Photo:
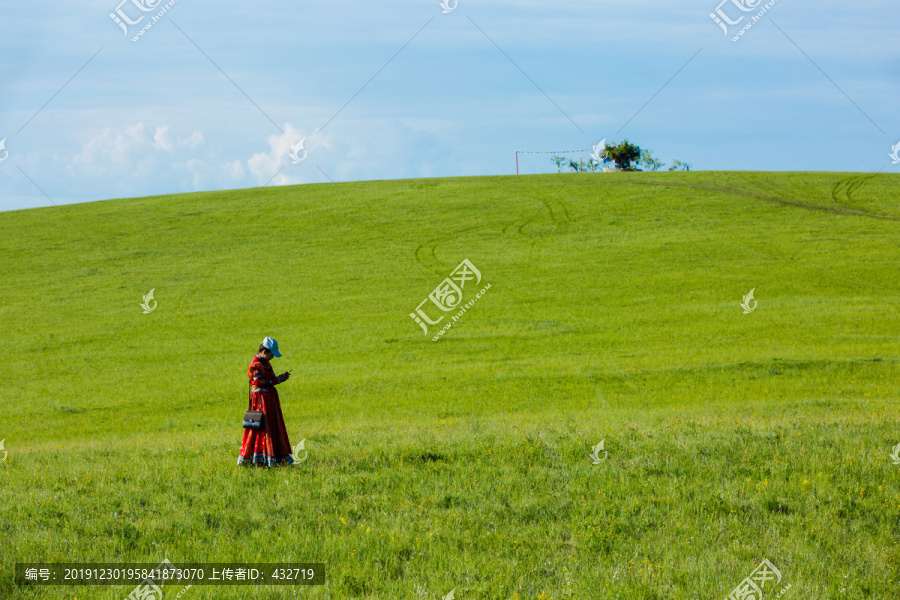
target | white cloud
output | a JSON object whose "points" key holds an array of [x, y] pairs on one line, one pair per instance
{"points": [[264, 165], [111, 149], [136, 154], [235, 169], [193, 141], [198, 169], [161, 139]]}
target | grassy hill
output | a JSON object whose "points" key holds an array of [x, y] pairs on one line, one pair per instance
{"points": [[613, 314]]}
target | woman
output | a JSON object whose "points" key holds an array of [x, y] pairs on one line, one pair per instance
{"points": [[270, 444]]}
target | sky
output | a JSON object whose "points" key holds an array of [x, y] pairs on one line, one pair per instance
{"points": [[216, 95]]}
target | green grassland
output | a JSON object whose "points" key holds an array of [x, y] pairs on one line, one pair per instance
{"points": [[613, 314]]}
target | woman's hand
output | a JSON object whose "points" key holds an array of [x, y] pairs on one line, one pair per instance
{"points": [[285, 376]]}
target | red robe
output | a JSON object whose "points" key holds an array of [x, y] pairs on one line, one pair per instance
{"points": [[269, 445]]}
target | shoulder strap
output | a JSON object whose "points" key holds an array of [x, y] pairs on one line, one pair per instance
{"points": [[249, 394]]}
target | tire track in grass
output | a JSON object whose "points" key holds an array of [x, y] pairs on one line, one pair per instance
{"points": [[843, 210], [429, 247], [561, 223], [844, 192], [847, 188]]}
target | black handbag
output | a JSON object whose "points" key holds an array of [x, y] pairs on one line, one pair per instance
{"points": [[253, 419]]}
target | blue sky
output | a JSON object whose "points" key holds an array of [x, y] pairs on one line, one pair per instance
{"points": [[214, 95]]}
